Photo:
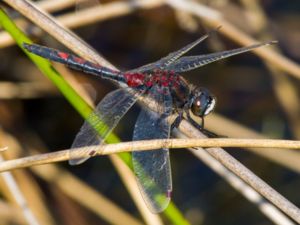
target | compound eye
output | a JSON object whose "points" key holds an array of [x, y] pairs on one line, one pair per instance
{"points": [[203, 104], [198, 106]]}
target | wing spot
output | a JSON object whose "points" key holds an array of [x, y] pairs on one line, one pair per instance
{"points": [[92, 153]]}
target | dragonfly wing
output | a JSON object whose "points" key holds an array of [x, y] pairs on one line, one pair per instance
{"points": [[172, 57], [188, 63], [152, 168], [104, 119]]}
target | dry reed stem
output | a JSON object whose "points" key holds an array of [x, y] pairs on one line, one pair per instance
{"points": [[10, 214], [285, 157], [92, 200], [91, 15], [47, 5], [25, 181], [67, 37], [286, 92], [130, 183], [106, 11], [246, 175], [19, 198], [284, 89], [145, 145], [55, 5], [3, 149], [35, 195], [109, 149], [269, 210], [46, 22], [26, 90]]}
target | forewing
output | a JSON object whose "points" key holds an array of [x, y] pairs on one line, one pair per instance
{"points": [[192, 62], [172, 57], [104, 119], [152, 168]]}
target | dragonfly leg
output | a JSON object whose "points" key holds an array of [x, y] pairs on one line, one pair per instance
{"points": [[177, 121], [193, 122], [201, 127]]}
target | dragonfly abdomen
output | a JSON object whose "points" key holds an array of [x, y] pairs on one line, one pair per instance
{"points": [[74, 62]]}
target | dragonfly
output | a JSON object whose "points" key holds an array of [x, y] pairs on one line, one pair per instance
{"points": [[171, 94]]}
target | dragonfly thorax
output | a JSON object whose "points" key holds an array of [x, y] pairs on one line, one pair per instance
{"points": [[162, 78], [202, 102]]}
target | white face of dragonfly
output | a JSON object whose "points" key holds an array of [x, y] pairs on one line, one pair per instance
{"points": [[202, 102], [210, 106]]}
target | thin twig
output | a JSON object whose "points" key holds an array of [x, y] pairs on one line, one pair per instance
{"points": [[27, 185], [11, 214], [55, 5], [130, 183], [16, 192], [67, 37], [47, 5], [88, 16], [92, 199], [284, 88], [145, 145], [245, 174], [47, 22], [3, 149], [285, 157], [269, 210], [106, 11], [26, 90]]}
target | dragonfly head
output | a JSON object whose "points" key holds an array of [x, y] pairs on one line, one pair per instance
{"points": [[202, 102]]}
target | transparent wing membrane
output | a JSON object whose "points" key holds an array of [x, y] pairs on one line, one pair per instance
{"points": [[102, 121], [172, 57], [188, 63], [152, 168]]}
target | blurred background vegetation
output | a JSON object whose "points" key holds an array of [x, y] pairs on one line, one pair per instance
{"points": [[35, 117]]}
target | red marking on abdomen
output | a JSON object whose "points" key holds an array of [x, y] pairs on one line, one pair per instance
{"points": [[79, 60], [134, 79], [63, 55]]}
